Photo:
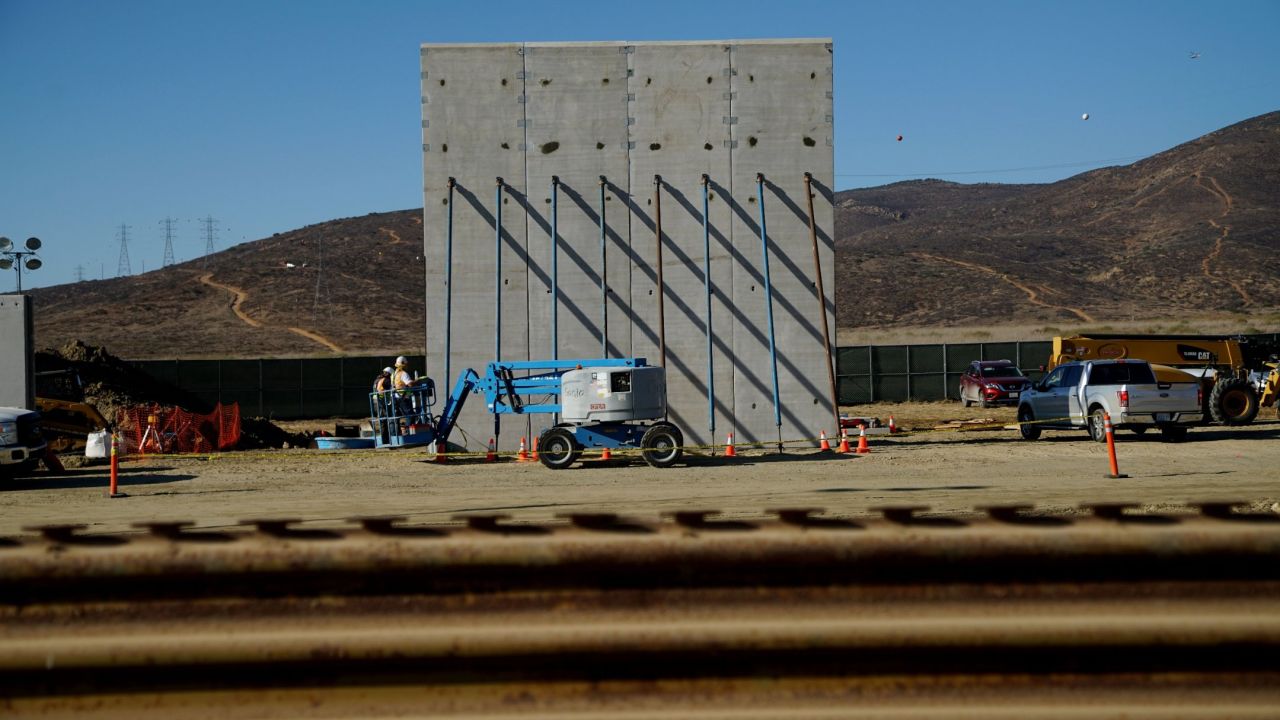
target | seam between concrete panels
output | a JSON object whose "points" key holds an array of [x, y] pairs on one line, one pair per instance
{"points": [[524, 162], [732, 300], [631, 262]]}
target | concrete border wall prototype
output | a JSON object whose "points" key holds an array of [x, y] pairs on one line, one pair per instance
{"points": [[17, 352], [627, 112]]}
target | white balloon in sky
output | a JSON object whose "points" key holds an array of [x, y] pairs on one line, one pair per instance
{"points": [[1084, 116]]}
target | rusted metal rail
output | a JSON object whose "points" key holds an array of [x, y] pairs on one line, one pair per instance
{"points": [[599, 615]]}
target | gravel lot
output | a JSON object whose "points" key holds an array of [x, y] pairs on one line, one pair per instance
{"points": [[950, 471]]}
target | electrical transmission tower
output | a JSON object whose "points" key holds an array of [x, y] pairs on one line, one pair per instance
{"points": [[79, 273], [210, 230], [124, 268], [168, 242]]}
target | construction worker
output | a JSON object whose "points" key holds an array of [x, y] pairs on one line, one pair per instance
{"points": [[382, 400], [401, 381]]}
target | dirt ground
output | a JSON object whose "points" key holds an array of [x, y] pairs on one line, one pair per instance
{"points": [[951, 471]]}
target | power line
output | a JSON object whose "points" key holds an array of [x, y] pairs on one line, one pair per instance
{"points": [[210, 230], [1082, 163], [123, 268], [79, 273], [168, 242]]}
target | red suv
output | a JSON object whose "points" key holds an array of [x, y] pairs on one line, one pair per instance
{"points": [[992, 382]]}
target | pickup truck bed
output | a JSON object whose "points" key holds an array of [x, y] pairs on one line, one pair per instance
{"points": [[1079, 395]]}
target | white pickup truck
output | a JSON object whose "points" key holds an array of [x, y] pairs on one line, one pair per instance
{"points": [[1077, 395], [21, 445]]}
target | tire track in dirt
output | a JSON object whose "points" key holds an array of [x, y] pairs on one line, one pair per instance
{"points": [[1032, 296], [1223, 232], [238, 298]]}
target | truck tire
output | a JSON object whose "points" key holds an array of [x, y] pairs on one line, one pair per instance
{"points": [[1233, 401], [557, 448], [1098, 424], [1029, 432], [662, 445]]}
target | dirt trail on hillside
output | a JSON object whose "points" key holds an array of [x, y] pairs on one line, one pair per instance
{"points": [[239, 296], [1032, 296], [1224, 231], [395, 237]]}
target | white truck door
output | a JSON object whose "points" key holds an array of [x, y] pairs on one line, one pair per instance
{"points": [[1071, 383]]}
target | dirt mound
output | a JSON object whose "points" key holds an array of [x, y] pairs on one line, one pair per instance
{"points": [[111, 385]]}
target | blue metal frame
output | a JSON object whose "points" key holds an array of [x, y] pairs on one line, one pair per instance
{"points": [[402, 418], [501, 390], [768, 295]]}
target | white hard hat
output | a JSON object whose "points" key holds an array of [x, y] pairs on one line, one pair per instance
{"points": [[401, 361], [386, 371]]}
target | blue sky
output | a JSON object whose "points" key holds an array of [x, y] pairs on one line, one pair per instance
{"points": [[271, 115]]}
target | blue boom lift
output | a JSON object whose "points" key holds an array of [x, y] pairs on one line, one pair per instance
{"points": [[601, 403]]}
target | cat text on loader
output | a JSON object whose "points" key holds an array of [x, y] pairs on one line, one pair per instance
{"points": [[1238, 376]]}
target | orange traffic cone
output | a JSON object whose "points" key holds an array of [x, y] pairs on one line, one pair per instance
{"points": [[492, 455], [606, 455], [523, 455], [826, 445], [844, 442], [862, 440], [893, 426], [440, 452], [729, 450], [534, 455]]}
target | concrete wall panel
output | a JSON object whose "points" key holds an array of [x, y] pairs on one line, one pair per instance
{"points": [[631, 111], [577, 130], [473, 116], [782, 128], [681, 106], [17, 352]]}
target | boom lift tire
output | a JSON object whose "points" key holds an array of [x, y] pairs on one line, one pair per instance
{"points": [[1233, 401], [558, 448], [662, 445]]}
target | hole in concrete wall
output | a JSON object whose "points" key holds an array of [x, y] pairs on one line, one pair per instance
{"points": [[504, 82], [548, 148], [444, 147], [506, 146], [655, 146], [506, 200], [599, 146], [648, 81], [813, 75], [649, 201], [752, 141], [547, 201], [708, 79], [707, 146], [751, 200], [604, 81], [751, 78], [444, 201], [441, 82], [808, 141], [544, 82]]}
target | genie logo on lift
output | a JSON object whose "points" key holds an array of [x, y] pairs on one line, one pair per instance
{"points": [[1192, 353], [574, 392]]}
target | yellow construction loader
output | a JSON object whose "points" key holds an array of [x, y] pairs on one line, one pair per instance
{"points": [[1238, 376], [65, 418]]}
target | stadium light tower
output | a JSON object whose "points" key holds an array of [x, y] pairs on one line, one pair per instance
{"points": [[11, 258]]}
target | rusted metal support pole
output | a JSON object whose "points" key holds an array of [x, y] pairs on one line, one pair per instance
{"points": [[822, 300], [604, 285], [657, 235], [706, 286], [555, 257]]}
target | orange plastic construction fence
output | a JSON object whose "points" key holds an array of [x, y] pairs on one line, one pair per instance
{"points": [[157, 429]]}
